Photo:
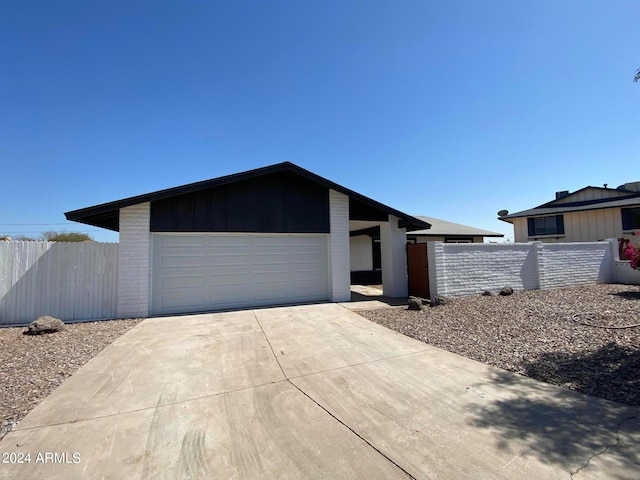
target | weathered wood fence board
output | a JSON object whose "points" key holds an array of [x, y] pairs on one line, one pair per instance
{"points": [[71, 281]]}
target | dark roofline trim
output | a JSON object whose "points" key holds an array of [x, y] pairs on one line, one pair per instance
{"points": [[456, 235], [558, 210], [105, 208], [582, 203]]}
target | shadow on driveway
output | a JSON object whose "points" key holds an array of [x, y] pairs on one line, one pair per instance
{"points": [[563, 429]]}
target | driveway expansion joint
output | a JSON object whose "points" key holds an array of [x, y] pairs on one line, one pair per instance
{"points": [[612, 445], [353, 431], [151, 407], [327, 411]]}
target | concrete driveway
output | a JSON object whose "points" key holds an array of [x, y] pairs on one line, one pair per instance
{"points": [[312, 391]]}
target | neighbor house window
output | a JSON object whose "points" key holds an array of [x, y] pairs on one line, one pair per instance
{"points": [[630, 218], [458, 240], [551, 225]]}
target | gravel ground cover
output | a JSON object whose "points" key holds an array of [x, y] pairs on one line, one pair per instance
{"points": [[555, 336], [32, 366]]}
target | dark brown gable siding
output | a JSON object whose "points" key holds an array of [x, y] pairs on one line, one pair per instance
{"points": [[278, 203]]}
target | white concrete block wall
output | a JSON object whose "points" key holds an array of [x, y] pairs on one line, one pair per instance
{"points": [[134, 262], [623, 273], [469, 269], [339, 263], [435, 262], [573, 264], [393, 245]]}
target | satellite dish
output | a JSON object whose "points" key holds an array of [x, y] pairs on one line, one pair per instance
{"points": [[502, 213]]}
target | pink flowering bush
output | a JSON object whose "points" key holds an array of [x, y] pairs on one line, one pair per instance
{"points": [[633, 254]]}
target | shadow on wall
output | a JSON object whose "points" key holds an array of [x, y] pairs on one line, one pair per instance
{"points": [[561, 427]]}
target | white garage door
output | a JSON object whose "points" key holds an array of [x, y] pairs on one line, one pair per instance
{"points": [[200, 272]]}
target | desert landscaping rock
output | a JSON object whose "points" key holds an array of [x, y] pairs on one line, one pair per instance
{"points": [[438, 301], [415, 303], [45, 324], [533, 333], [32, 366], [506, 291], [489, 293]]}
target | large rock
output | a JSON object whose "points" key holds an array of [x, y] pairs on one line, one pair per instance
{"points": [[415, 303], [438, 301], [45, 324], [506, 291], [489, 293]]}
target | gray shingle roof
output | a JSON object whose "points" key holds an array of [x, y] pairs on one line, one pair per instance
{"points": [[440, 228]]}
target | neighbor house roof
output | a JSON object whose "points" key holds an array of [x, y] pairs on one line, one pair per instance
{"points": [[550, 209], [106, 215], [442, 228]]}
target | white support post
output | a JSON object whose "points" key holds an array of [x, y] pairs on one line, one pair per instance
{"points": [[393, 243], [339, 247], [134, 262]]}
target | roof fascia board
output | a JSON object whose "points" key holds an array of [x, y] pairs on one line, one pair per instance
{"points": [[558, 210]]}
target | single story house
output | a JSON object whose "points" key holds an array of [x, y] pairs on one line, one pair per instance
{"points": [[366, 265], [274, 235], [449, 232], [586, 215]]}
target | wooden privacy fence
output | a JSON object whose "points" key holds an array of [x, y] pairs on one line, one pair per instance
{"points": [[70, 281]]}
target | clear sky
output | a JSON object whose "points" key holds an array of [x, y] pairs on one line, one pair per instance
{"points": [[449, 109]]}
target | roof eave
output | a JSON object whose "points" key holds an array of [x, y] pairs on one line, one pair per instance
{"points": [[84, 215]]}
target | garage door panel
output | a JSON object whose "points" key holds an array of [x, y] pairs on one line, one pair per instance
{"points": [[270, 241], [313, 261], [229, 241], [217, 260], [183, 281], [178, 241], [228, 295], [229, 280], [262, 278], [270, 292], [307, 276], [189, 298], [213, 271], [169, 261]]}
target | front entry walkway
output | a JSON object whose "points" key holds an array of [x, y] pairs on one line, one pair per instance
{"points": [[313, 391]]}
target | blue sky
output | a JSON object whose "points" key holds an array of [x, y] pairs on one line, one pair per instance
{"points": [[450, 109]]}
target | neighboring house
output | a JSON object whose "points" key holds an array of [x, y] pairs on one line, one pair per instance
{"points": [[365, 245], [449, 232], [588, 214], [275, 235]]}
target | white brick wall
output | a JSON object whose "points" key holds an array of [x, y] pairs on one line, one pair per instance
{"points": [[134, 261], [393, 243], [623, 273], [572, 264], [469, 269], [339, 264]]}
